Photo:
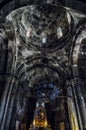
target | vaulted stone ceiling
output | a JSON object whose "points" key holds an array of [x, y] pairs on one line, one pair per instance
{"points": [[38, 61]]}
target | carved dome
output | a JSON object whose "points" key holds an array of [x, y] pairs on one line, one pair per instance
{"points": [[48, 21]]}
